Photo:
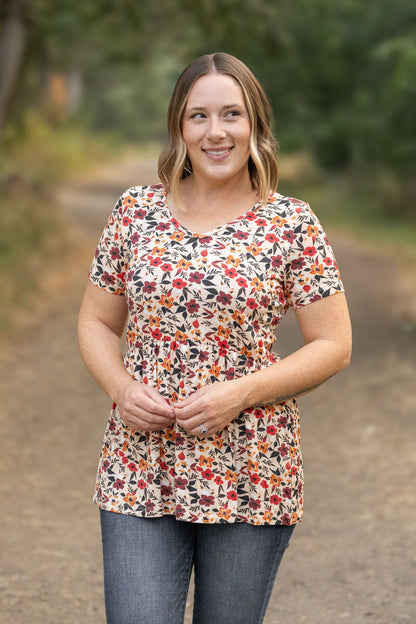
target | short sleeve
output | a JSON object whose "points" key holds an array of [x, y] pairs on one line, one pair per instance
{"points": [[311, 271], [110, 262]]}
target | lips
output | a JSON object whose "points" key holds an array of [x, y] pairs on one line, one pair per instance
{"points": [[217, 152]]}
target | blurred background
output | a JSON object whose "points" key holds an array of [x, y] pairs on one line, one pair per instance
{"points": [[84, 90], [81, 82]]}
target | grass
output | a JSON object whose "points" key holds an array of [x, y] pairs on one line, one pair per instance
{"points": [[34, 235]]}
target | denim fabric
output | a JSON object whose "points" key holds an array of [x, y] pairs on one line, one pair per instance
{"points": [[148, 564]]}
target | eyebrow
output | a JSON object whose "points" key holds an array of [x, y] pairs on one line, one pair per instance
{"points": [[203, 108]]}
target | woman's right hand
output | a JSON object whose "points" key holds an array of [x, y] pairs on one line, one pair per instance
{"points": [[142, 408]]}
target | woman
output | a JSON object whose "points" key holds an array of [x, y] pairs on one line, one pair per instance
{"points": [[201, 466]]}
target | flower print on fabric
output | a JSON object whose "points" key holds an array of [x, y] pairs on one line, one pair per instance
{"points": [[203, 309]]}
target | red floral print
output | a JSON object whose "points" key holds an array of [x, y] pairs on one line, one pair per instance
{"points": [[203, 309]]}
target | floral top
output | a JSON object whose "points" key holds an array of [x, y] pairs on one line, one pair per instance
{"points": [[204, 308]]}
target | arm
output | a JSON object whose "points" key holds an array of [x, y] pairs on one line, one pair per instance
{"points": [[101, 323], [326, 330]]}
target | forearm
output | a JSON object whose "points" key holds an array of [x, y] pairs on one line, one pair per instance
{"points": [[101, 352], [295, 375]]}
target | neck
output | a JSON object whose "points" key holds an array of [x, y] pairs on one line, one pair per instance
{"points": [[197, 192]]}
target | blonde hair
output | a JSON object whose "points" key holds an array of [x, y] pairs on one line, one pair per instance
{"points": [[174, 164]]}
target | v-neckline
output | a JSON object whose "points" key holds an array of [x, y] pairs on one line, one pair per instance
{"points": [[213, 230]]}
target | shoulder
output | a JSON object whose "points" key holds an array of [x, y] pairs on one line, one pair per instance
{"points": [[289, 210], [137, 193], [136, 197]]}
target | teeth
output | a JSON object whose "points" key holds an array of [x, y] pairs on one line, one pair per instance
{"points": [[218, 152]]}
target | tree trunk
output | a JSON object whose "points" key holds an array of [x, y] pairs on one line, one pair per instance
{"points": [[12, 39]]}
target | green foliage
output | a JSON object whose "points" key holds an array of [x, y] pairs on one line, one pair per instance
{"points": [[44, 155], [340, 76], [360, 206], [34, 235]]}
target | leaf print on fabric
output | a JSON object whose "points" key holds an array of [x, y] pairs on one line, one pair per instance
{"points": [[204, 310]]}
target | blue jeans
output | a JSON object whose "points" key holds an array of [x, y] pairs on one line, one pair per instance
{"points": [[148, 564]]}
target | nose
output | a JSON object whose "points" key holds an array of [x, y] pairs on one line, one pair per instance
{"points": [[216, 130]]}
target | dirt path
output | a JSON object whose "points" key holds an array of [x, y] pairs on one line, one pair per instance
{"points": [[351, 560]]}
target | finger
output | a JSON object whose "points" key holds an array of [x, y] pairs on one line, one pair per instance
{"points": [[186, 413], [185, 402], [151, 403], [191, 406], [146, 422], [193, 424], [201, 433], [191, 398], [145, 408], [150, 416], [150, 421], [152, 392]]}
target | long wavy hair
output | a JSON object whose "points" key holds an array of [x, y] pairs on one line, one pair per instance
{"points": [[174, 164]]}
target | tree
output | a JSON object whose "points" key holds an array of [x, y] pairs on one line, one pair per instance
{"points": [[12, 41]]}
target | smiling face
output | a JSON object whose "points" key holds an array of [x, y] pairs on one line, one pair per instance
{"points": [[216, 129]]}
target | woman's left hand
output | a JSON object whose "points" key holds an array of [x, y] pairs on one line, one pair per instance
{"points": [[213, 407]]}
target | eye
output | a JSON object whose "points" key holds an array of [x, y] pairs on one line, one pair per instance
{"points": [[233, 114], [197, 116]]}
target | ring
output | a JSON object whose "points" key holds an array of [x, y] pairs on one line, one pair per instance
{"points": [[203, 428]]}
